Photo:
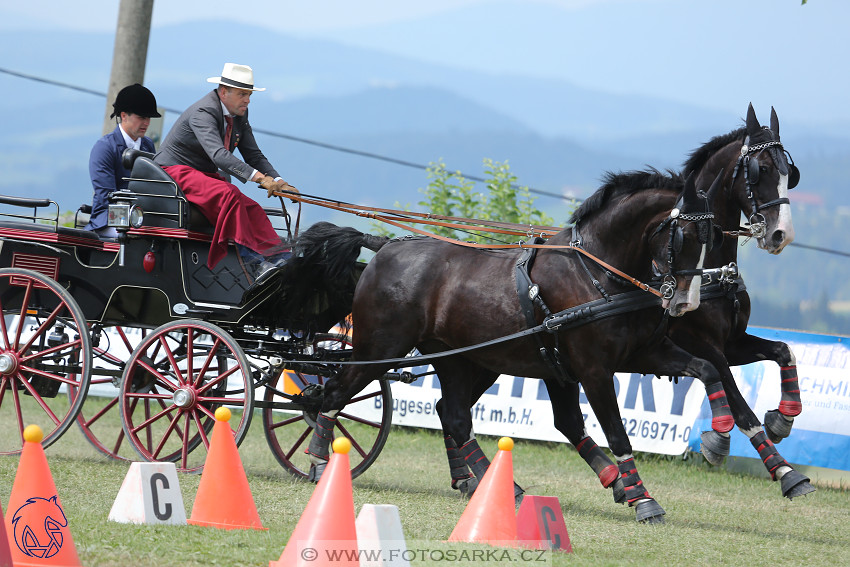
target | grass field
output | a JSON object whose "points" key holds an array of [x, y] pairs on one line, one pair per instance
{"points": [[713, 516]]}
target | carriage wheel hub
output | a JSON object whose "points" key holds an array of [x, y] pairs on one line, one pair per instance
{"points": [[8, 363], [184, 398]]}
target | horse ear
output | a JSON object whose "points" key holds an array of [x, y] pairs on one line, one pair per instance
{"points": [[689, 194], [774, 122], [753, 125], [715, 187]]}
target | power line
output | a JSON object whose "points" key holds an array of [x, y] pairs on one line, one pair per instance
{"points": [[361, 153], [274, 134]]}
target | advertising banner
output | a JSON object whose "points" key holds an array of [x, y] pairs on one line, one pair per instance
{"points": [[821, 433], [657, 413]]}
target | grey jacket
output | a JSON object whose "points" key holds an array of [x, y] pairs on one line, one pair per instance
{"points": [[197, 140]]}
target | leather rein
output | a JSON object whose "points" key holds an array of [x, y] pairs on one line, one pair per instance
{"points": [[394, 218]]}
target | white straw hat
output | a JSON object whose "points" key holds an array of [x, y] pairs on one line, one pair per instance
{"points": [[237, 76]]}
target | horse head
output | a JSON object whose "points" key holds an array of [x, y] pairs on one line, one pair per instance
{"points": [[764, 173], [759, 174], [679, 244]]}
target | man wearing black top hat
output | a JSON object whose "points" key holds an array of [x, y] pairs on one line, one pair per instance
{"points": [[133, 108]]}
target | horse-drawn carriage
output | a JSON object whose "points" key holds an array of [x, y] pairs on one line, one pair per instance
{"points": [[163, 338], [212, 337]]}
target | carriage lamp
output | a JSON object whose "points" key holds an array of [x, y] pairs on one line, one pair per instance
{"points": [[123, 215]]}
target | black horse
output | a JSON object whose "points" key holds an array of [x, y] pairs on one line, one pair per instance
{"points": [[757, 177], [435, 296]]}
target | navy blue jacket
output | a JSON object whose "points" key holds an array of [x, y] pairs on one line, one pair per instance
{"points": [[107, 173]]}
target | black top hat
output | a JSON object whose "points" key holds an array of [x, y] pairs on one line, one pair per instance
{"points": [[135, 99]]}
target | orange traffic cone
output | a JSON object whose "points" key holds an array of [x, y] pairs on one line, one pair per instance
{"points": [[325, 534], [224, 498], [5, 552], [35, 521], [490, 516]]}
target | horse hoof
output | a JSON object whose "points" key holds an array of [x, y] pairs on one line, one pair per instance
{"points": [[777, 426], [714, 446], [315, 473], [649, 512], [795, 484], [619, 492], [518, 494], [467, 486]]}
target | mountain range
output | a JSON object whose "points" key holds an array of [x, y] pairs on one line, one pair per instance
{"points": [[557, 137]]}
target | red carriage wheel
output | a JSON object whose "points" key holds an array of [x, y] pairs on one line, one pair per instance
{"points": [[290, 410], [173, 383], [100, 417], [45, 349]]}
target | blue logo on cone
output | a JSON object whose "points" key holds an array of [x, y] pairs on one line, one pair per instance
{"points": [[38, 527]]}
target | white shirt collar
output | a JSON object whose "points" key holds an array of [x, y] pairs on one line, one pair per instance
{"points": [[131, 143], [224, 109]]}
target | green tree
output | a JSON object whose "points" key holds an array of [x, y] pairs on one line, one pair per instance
{"points": [[449, 193]]}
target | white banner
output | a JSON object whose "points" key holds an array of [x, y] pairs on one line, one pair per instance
{"points": [[657, 414], [820, 434]]}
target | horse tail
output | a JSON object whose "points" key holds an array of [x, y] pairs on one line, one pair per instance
{"points": [[335, 249]]}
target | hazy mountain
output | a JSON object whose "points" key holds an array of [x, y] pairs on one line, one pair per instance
{"points": [[557, 137]]}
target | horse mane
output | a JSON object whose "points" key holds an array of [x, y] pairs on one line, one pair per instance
{"points": [[624, 183], [697, 158]]}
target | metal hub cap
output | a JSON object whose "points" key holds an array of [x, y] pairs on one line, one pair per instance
{"points": [[8, 363], [183, 398]]}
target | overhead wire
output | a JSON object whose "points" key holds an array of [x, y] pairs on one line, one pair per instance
{"points": [[337, 148]]}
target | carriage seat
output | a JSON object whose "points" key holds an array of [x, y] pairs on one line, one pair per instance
{"points": [[160, 197]]}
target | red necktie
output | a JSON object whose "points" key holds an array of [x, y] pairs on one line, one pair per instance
{"points": [[228, 132]]}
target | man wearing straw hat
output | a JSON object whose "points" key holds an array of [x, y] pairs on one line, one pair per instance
{"points": [[200, 143]]}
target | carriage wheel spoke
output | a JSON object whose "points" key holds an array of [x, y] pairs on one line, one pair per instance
{"points": [[39, 400], [18, 412], [109, 405], [223, 376], [201, 430], [43, 328], [22, 316], [205, 367], [291, 420], [351, 438], [359, 419], [171, 425], [298, 442]]}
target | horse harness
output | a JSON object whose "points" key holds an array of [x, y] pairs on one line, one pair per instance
{"points": [[721, 282]]}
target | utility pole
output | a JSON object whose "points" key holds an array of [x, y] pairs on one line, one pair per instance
{"points": [[130, 52]]}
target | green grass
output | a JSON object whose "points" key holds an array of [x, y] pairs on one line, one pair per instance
{"points": [[713, 516]]}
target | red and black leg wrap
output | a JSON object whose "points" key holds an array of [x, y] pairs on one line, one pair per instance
{"points": [[790, 404], [604, 467], [459, 470], [721, 415], [323, 435], [767, 451], [632, 483], [475, 458]]}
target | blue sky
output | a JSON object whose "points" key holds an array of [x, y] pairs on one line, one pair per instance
{"points": [[719, 54]]}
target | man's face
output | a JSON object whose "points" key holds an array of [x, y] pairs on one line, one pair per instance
{"points": [[235, 100], [134, 125]]}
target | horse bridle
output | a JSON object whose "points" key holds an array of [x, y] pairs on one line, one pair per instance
{"points": [[674, 246], [750, 165]]}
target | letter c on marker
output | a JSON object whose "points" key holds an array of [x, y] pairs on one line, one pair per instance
{"points": [[163, 480]]}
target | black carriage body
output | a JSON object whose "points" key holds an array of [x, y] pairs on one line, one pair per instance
{"points": [[173, 243], [210, 336]]}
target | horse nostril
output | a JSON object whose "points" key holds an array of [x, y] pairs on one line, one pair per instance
{"points": [[778, 237]]}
